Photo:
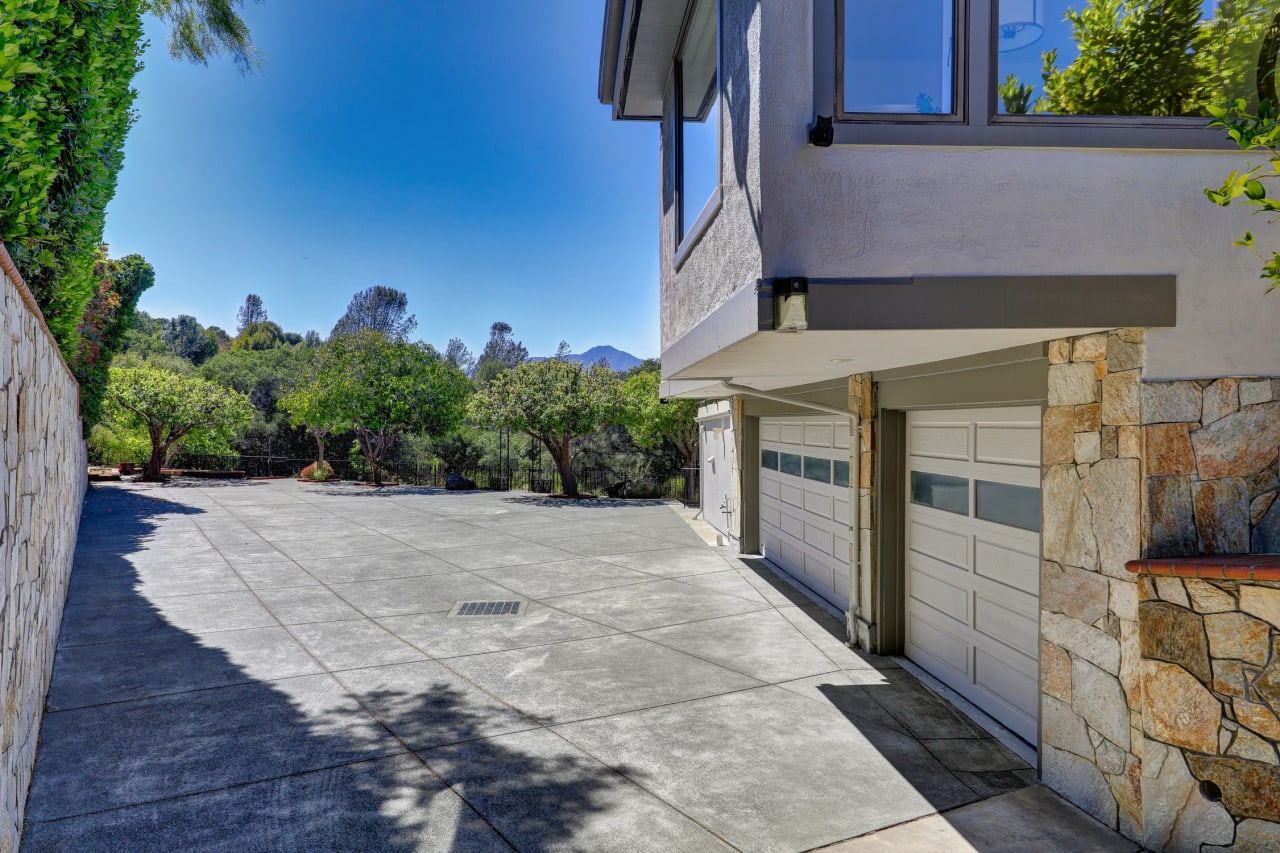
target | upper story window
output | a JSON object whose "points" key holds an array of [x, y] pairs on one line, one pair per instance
{"points": [[899, 57], [1109, 58], [698, 108], [1109, 73]]}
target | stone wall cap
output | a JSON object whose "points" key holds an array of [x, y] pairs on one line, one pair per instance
{"points": [[1258, 567]]}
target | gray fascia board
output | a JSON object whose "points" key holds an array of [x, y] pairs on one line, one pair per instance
{"points": [[992, 302], [610, 44]]}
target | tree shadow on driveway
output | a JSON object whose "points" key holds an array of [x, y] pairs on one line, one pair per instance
{"points": [[178, 722]]}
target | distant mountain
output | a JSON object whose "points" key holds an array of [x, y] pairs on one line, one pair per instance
{"points": [[620, 361]]}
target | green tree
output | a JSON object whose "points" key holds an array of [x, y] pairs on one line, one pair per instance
{"points": [[186, 338], [652, 421], [311, 406], [250, 313], [384, 388], [501, 352], [554, 402], [172, 408], [201, 29], [259, 336], [108, 319], [379, 309]]}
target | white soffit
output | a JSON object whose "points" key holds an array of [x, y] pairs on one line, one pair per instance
{"points": [[773, 360]]}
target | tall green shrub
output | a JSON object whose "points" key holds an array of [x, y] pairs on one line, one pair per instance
{"points": [[65, 110]]}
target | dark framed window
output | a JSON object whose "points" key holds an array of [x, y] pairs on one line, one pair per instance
{"points": [[697, 126], [817, 469], [1138, 74], [769, 459]]}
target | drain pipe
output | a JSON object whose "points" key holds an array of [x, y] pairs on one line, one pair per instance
{"points": [[855, 476]]}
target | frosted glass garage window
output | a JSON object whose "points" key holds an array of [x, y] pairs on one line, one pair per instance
{"points": [[940, 491], [769, 459], [899, 57], [1004, 503], [1171, 58], [790, 464], [816, 469], [841, 473]]}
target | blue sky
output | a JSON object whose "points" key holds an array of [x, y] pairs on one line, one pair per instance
{"points": [[455, 151]]}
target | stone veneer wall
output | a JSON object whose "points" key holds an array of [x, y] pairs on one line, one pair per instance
{"points": [[1090, 722], [863, 548], [1151, 686], [43, 483], [1211, 649]]}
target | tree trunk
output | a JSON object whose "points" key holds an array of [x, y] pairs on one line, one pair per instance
{"points": [[564, 464], [319, 450], [154, 464], [156, 461]]}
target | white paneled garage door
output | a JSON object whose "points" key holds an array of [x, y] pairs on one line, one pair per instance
{"points": [[973, 556], [805, 501]]}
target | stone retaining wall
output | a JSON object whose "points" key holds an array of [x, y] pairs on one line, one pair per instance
{"points": [[43, 483]]}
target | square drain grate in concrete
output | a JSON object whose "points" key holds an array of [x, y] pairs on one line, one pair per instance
{"points": [[489, 608]]}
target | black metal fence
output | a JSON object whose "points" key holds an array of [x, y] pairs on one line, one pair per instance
{"points": [[682, 486]]}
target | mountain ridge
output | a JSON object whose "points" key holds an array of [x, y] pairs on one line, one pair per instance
{"points": [[619, 361]]}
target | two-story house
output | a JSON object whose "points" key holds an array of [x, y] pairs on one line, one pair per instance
{"points": [[978, 359]]}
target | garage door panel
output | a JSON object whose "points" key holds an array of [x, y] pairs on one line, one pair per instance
{"points": [[792, 494], [1006, 564], [819, 537], [1005, 624], [818, 435], [941, 543], [804, 516], [940, 441], [819, 504], [770, 485], [973, 556], [948, 599], [1013, 683], [792, 433], [792, 525], [927, 639], [1008, 444]]}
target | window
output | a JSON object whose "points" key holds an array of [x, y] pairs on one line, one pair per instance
{"points": [[1137, 73], [1004, 503], [899, 57], [940, 491], [817, 469], [697, 95], [1150, 58], [769, 459]]}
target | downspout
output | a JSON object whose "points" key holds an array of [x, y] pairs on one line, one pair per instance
{"points": [[855, 476]]}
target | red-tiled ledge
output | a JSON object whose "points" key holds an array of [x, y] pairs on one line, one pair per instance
{"points": [[1256, 567]]}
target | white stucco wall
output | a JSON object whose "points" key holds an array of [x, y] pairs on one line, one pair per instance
{"points": [[915, 210]]}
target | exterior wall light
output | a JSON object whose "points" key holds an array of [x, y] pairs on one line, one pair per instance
{"points": [[790, 304]]}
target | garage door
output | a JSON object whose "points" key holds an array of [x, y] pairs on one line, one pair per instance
{"points": [[805, 500], [973, 556]]}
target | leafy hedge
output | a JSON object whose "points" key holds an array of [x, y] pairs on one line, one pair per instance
{"points": [[65, 110]]}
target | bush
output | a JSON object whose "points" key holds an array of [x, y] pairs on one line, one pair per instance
{"points": [[319, 473]]}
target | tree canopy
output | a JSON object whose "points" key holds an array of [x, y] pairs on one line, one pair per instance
{"points": [[501, 352], [652, 421], [552, 401], [250, 313], [172, 408], [383, 388], [379, 309]]}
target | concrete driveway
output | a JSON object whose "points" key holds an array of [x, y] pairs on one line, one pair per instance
{"points": [[274, 665]]}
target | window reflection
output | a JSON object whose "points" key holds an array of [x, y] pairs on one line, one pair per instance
{"points": [[899, 56]]}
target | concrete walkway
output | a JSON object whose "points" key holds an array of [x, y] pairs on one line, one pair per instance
{"points": [[273, 665]]}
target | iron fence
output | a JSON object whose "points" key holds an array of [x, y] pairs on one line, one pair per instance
{"points": [[683, 486]]}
